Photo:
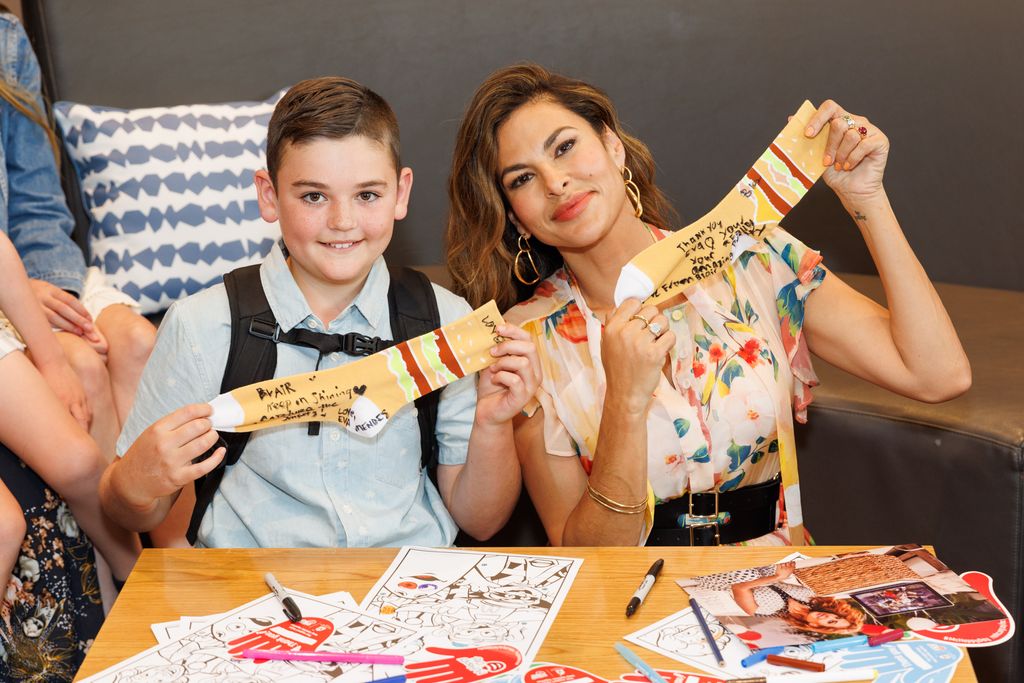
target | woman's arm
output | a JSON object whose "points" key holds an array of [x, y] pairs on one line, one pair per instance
{"points": [[911, 348], [633, 359], [481, 494], [743, 591]]}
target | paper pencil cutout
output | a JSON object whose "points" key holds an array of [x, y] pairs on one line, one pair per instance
{"points": [[774, 184], [362, 395]]}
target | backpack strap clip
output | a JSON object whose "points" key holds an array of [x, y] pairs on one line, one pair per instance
{"points": [[360, 345], [264, 329]]}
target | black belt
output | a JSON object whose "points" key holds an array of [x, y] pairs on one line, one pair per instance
{"points": [[751, 514]]}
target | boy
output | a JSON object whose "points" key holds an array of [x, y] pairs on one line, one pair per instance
{"points": [[335, 184]]}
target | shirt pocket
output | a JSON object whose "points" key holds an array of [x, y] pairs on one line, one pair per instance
{"points": [[397, 457]]}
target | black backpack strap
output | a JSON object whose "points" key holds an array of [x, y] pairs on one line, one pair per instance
{"points": [[252, 357], [413, 310]]}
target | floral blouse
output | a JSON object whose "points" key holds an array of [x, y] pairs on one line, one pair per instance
{"points": [[739, 365]]}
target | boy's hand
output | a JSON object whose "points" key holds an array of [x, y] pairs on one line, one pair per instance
{"points": [[65, 312], [505, 387], [159, 463]]}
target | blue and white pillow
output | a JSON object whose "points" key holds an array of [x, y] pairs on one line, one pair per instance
{"points": [[169, 193]]}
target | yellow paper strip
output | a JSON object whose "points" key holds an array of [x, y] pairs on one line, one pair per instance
{"points": [[362, 395], [764, 195]]}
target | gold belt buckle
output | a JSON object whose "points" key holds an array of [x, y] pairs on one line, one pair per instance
{"points": [[701, 521]]}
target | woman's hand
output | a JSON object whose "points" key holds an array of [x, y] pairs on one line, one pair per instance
{"points": [[784, 570], [634, 346], [855, 154], [68, 388], [504, 388]]}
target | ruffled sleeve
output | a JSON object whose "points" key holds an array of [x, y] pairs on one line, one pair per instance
{"points": [[796, 272]]}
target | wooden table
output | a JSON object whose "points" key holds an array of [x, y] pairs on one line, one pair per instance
{"points": [[168, 583]]}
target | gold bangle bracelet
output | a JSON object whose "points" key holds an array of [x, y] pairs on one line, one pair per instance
{"points": [[614, 505]]}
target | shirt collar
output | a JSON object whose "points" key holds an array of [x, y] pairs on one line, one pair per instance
{"points": [[290, 306]]}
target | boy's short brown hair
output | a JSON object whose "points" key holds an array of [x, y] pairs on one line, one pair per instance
{"points": [[330, 107]]}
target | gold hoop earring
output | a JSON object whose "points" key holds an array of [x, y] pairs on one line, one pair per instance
{"points": [[524, 248], [633, 191]]}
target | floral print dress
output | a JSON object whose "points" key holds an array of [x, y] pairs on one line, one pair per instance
{"points": [[739, 371], [55, 609]]}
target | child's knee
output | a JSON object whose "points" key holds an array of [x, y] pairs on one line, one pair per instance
{"points": [[78, 476], [89, 366], [135, 341], [12, 527]]}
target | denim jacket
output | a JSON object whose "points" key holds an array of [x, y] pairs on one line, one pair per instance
{"points": [[33, 211]]}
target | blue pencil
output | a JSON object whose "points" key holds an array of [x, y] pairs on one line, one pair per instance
{"points": [[643, 667], [707, 632], [400, 678]]}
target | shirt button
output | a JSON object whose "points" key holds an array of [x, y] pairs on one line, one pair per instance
{"points": [[347, 509], [335, 434], [311, 324], [677, 315]]}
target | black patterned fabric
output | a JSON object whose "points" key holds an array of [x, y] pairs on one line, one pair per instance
{"points": [[57, 611]]}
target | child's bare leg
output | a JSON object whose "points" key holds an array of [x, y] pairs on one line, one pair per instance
{"points": [[91, 369], [170, 533], [40, 431], [130, 338], [12, 533]]}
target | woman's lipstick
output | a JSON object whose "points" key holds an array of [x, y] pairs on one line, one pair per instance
{"points": [[573, 207]]}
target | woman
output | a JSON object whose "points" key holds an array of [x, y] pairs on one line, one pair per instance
{"points": [[759, 593], [547, 190]]}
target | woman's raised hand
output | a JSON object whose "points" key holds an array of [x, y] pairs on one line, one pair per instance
{"points": [[856, 151], [634, 346]]}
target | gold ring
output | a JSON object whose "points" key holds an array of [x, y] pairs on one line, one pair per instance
{"points": [[645, 321]]}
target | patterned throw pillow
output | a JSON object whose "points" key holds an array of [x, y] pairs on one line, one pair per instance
{"points": [[169, 193]]}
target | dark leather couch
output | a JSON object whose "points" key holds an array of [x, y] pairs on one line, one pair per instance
{"points": [[706, 83]]}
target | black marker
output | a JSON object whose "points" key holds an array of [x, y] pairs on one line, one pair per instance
{"points": [[291, 610], [645, 587]]}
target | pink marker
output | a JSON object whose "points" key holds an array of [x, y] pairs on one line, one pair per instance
{"points": [[344, 657]]}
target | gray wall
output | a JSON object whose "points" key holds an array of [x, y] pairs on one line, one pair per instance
{"points": [[707, 83]]}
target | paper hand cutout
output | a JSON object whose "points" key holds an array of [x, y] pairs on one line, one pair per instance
{"points": [[904, 662], [774, 184], [301, 636], [978, 634], [465, 664], [557, 673], [672, 677], [362, 395]]}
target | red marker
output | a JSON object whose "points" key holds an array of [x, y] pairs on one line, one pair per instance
{"points": [[804, 664], [887, 637]]}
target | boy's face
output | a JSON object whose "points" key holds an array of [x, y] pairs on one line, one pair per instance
{"points": [[337, 201]]}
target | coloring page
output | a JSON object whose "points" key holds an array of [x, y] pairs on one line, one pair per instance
{"points": [[209, 654], [474, 599], [167, 631]]}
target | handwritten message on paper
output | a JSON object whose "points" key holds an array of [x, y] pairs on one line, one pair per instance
{"points": [[363, 395], [764, 195]]}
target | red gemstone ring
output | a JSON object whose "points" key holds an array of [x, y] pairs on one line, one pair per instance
{"points": [[863, 130]]}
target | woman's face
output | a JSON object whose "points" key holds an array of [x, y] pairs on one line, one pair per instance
{"points": [[562, 179], [827, 620]]}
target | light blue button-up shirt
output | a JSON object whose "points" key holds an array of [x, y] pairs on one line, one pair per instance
{"points": [[290, 489]]}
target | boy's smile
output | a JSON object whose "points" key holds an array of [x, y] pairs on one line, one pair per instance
{"points": [[337, 201]]}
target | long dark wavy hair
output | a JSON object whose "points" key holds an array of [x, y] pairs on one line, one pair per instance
{"points": [[481, 241]]}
